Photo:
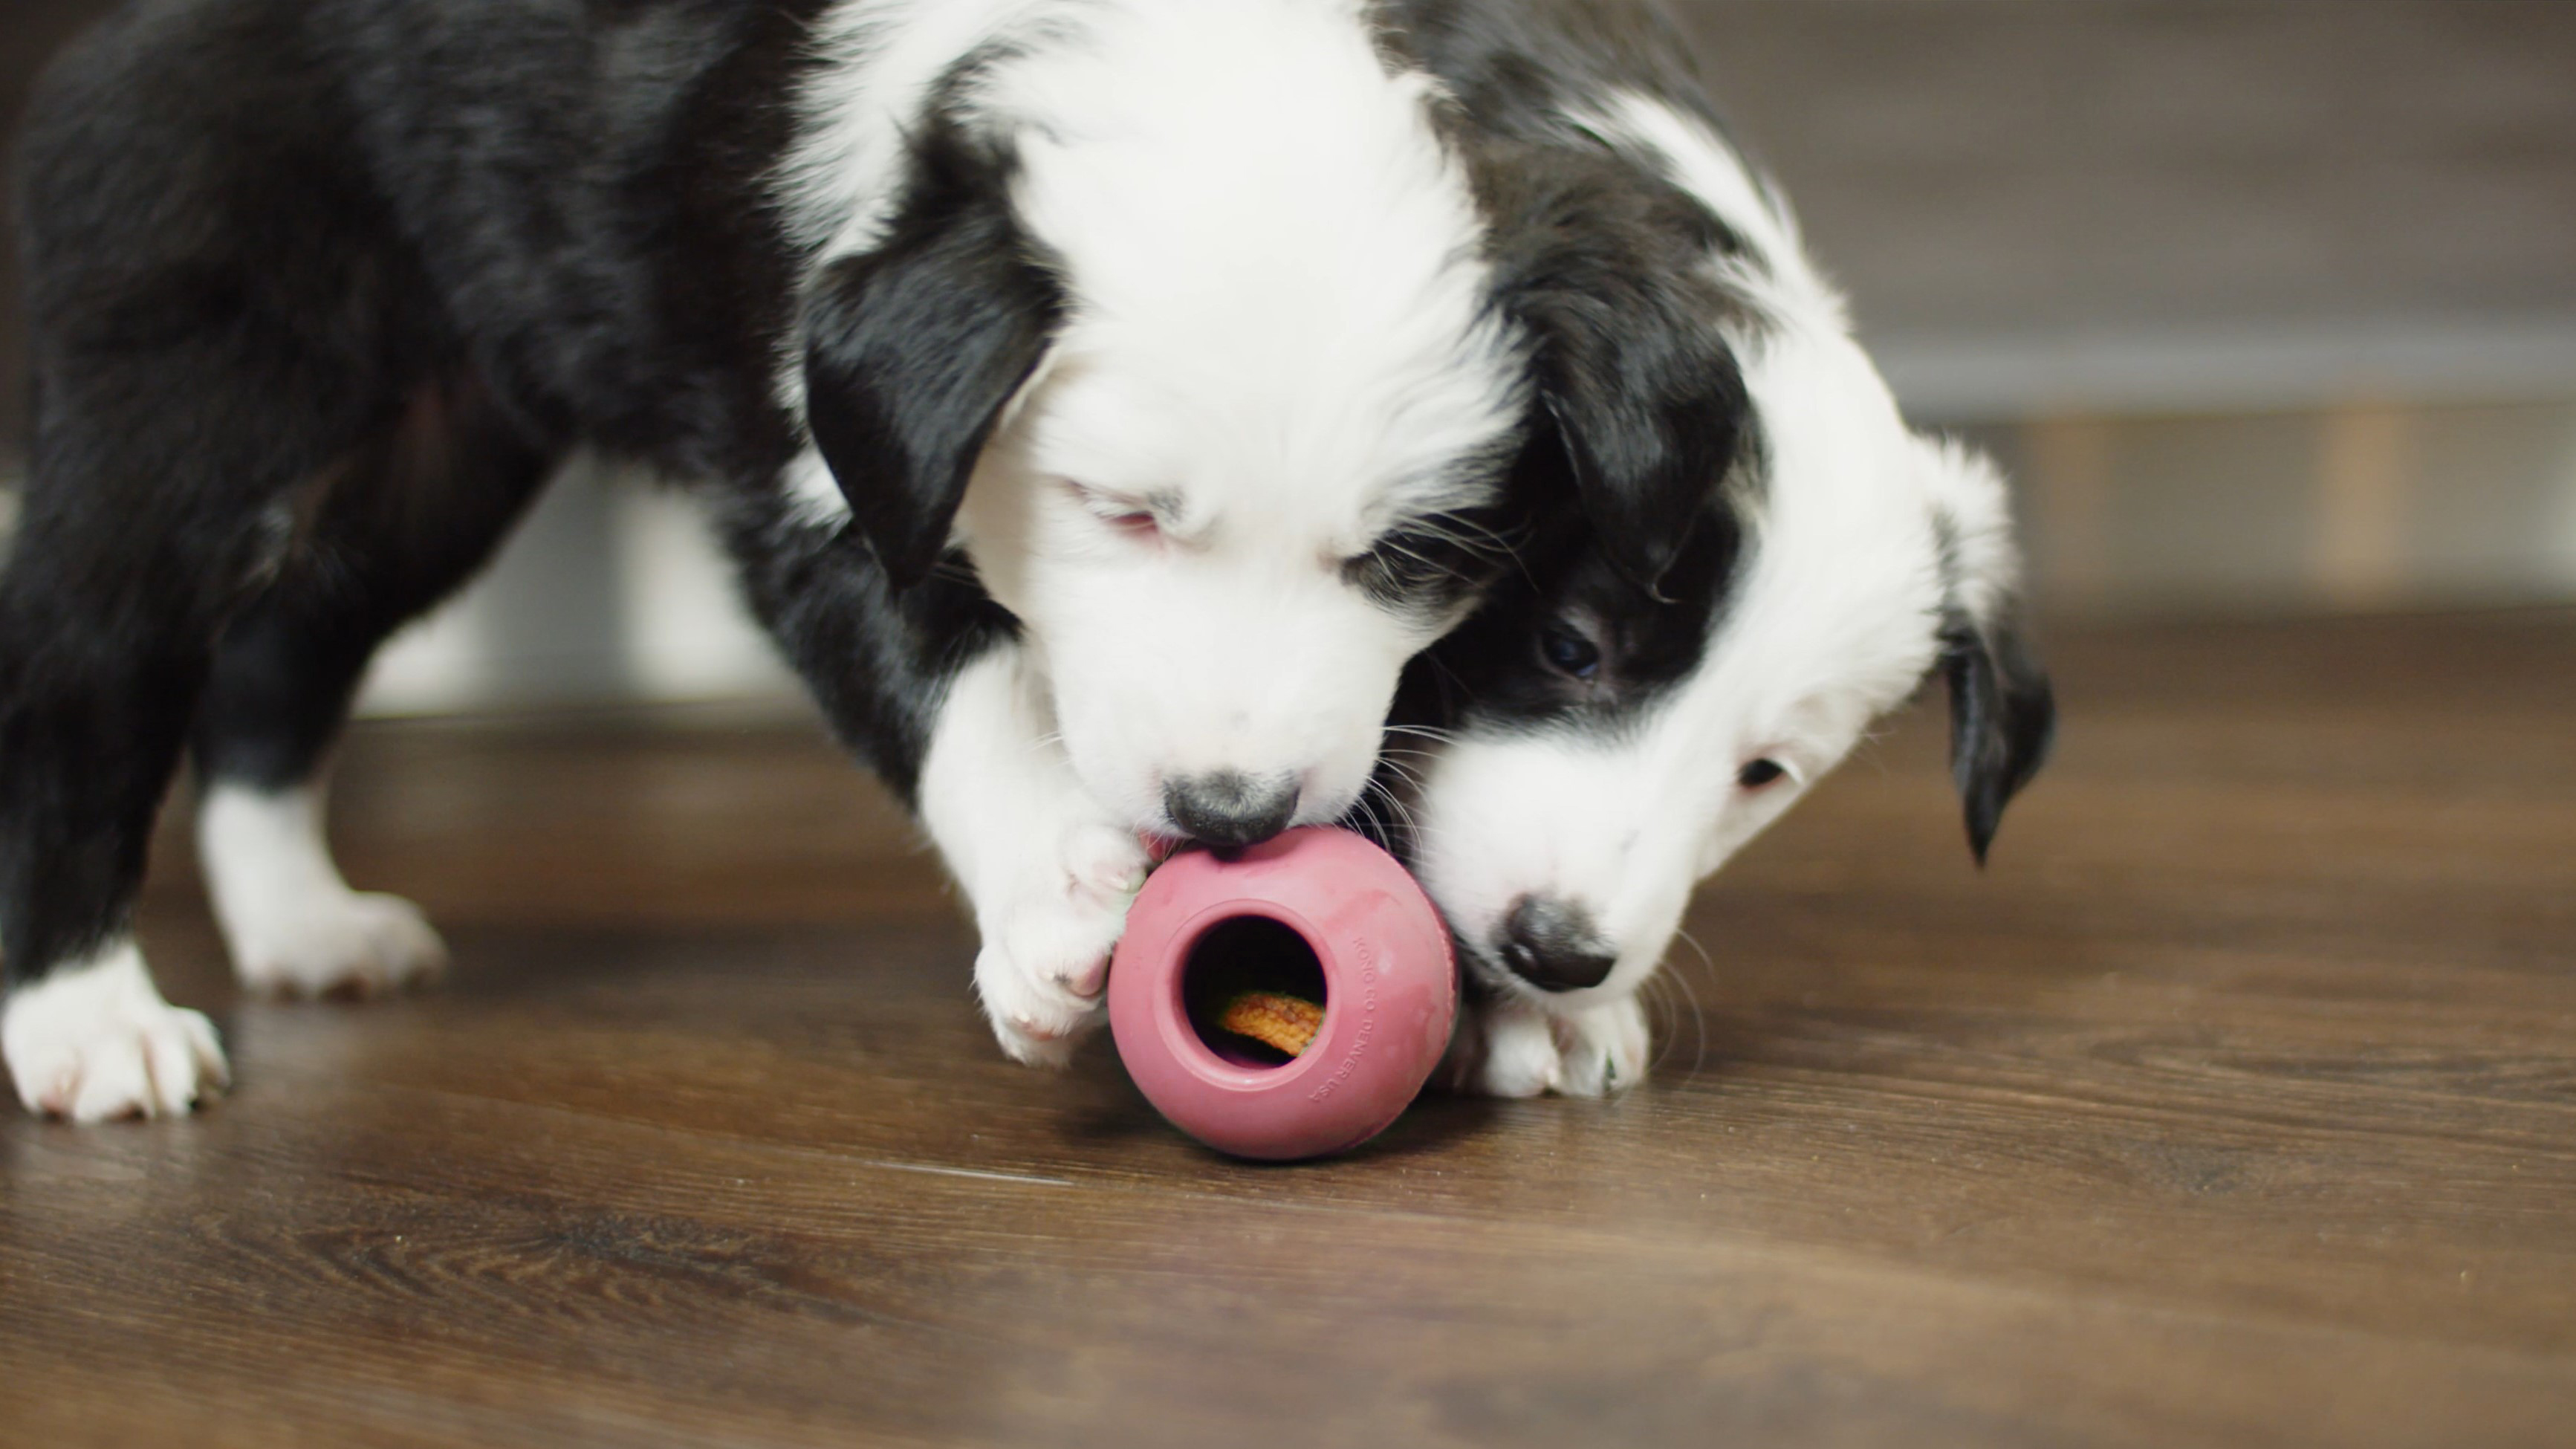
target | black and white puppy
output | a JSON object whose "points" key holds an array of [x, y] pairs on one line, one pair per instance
{"points": [[1613, 727], [1104, 399]]}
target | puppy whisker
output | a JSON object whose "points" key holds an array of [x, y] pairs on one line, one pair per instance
{"points": [[1681, 983]]}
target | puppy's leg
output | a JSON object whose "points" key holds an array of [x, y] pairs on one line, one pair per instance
{"points": [[426, 504], [1050, 873], [99, 664], [292, 923], [136, 534], [1505, 1047], [206, 386], [930, 686]]}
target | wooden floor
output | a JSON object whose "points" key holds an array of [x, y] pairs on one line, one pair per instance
{"points": [[2235, 1104]]}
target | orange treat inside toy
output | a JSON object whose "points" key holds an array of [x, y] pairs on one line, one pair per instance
{"points": [[1282, 1023]]}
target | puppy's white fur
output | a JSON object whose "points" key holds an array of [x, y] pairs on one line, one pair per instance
{"points": [[1049, 871], [1277, 348], [93, 1040], [1832, 621], [294, 926], [1517, 1048]]}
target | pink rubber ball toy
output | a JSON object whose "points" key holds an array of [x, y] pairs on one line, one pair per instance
{"points": [[1317, 913]]}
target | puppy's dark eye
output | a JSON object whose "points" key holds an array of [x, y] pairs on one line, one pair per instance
{"points": [[1569, 652], [1759, 773]]}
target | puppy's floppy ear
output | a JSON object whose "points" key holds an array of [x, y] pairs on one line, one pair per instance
{"points": [[1609, 274], [913, 349], [1651, 429], [2003, 715]]}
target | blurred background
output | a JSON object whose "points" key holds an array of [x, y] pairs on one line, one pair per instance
{"points": [[2269, 305]]}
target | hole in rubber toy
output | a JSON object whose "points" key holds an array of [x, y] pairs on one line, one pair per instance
{"points": [[1247, 953]]}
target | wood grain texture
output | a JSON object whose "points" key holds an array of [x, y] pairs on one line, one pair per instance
{"points": [[2234, 1104]]}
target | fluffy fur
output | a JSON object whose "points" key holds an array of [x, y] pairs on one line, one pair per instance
{"points": [[291, 923], [1101, 398], [94, 1040], [1604, 741], [1142, 369]]}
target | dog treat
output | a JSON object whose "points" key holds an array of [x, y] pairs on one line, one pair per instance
{"points": [[1284, 1023]]}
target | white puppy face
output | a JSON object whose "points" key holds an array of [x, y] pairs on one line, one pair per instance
{"points": [[1182, 330], [1638, 745], [1605, 746], [1212, 599]]}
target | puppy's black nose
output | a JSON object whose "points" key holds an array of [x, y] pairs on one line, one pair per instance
{"points": [[1554, 946], [1229, 809]]}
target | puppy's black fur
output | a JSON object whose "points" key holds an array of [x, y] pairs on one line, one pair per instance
{"points": [[1649, 423], [323, 290], [903, 384], [2003, 718], [1606, 261]]}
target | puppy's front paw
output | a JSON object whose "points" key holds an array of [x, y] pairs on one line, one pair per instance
{"points": [[1512, 1049], [1045, 959], [94, 1042], [1602, 1050], [344, 943]]}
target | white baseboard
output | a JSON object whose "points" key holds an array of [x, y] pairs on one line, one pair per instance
{"points": [[2268, 368]]}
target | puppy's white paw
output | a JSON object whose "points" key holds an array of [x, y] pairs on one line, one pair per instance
{"points": [[337, 943], [1514, 1055], [1050, 872], [1601, 1050], [1513, 1049], [94, 1040], [1045, 959], [294, 926]]}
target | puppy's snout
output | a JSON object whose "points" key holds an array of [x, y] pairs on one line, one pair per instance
{"points": [[1230, 809], [1554, 946]]}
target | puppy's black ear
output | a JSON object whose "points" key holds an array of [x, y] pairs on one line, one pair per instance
{"points": [[1608, 271], [913, 349], [1651, 430], [2003, 714]]}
